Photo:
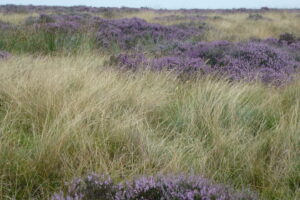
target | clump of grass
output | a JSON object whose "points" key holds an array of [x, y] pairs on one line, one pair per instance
{"points": [[28, 40], [63, 117]]}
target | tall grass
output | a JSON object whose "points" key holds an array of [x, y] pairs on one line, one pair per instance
{"points": [[62, 117], [29, 40]]}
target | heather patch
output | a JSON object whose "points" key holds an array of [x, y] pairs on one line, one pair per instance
{"points": [[288, 38], [4, 55], [64, 23], [127, 33], [236, 61], [5, 25], [150, 188]]}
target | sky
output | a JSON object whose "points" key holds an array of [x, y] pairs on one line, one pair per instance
{"points": [[169, 4]]}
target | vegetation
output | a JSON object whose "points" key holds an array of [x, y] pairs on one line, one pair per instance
{"points": [[65, 111]]}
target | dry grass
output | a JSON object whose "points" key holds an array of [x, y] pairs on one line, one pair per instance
{"points": [[62, 117], [148, 15], [236, 26], [16, 18]]}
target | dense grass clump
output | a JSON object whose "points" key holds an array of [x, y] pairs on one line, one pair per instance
{"points": [[48, 34], [42, 42]]}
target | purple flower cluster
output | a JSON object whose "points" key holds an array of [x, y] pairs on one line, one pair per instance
{"points": [[4, 55], [289, 38], [287, 42], [151, 188], [64, 23], [5, 26], [126, 33], [250, 60], [235, 61], [129, 61], [181, 65], [259, 55]]}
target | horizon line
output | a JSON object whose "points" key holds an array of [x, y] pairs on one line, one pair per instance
{"points": [[147, 7]]}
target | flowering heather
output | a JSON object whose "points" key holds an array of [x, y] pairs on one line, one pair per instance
{"points": [[4, 55], [63, 23], [197, 22], [211, 51], [287, 42], [181, 65], [288, 38], [236, 61], [129, 62], [5, 26], [126, 33], [150, 188], [263, 56]]}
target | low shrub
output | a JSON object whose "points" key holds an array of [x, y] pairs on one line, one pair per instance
{"points": [[95, 187], [4, 55], [253, 60], [127, 33]]}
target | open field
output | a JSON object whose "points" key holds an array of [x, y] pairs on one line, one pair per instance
{"points": [[77, 99]]}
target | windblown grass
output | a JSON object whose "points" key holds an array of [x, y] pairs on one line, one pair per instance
{"points": [[62, 117], [236, 26]]}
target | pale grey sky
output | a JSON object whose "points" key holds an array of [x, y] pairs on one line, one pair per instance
{"points": [[171, 4]]}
